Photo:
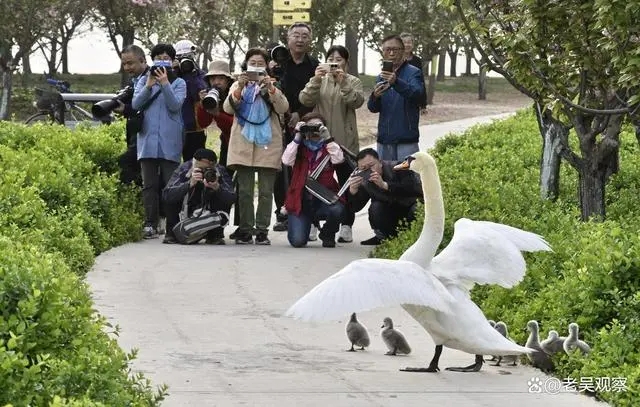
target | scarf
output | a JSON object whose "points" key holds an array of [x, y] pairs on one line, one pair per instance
{"points": [[253, 116]]}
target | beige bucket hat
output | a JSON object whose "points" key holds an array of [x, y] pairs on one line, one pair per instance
{"points": [[219, 68]]}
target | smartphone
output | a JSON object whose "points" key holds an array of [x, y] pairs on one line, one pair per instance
{"points": [[326, 67], [255, 73], [387, 66]]}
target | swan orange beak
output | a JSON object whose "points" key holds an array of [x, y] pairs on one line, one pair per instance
{"points": [[402, 166]]}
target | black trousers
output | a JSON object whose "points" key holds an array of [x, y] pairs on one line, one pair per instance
{"points": [[343, 171], [280, 187], [385, 218], [130, 167], [193, 141], [172, 211], [155, 175]]}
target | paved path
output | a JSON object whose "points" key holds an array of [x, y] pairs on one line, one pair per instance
{"points": [[207, 321]]}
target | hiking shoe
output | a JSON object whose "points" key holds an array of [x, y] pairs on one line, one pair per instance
{"points": [[262, 239], [149, 232], [345, 235], [216, 241], [244, 238], [281, 226], [329, 243], [313, 233], [374, 241], [235, 234]]}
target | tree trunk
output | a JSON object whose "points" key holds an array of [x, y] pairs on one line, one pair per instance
{"points": [[442, 58], [351, 43], [5, 93], [482, 83], [591, 185], [467, 66], [64, 55], [26, 64], [553, 133], [52, 62], [252, 34], [431, 83], [453, 57], [128, 36]]}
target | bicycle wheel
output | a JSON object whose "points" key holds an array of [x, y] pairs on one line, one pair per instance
{"points": [[40, 118]]}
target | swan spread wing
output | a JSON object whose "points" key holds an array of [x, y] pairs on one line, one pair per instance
{"points": [[486, 253], [366, 284]]}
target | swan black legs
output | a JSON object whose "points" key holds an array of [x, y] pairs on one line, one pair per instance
{"points": [[433, 366], [471, 368]]}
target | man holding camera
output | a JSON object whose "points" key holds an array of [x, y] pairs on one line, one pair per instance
{"points": [[198, 184], [397, 96], [134, 63], [187, 69], [393, 194], [296, 71]]}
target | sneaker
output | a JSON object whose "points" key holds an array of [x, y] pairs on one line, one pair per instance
{"points": [[244, 238], [262, 239], [235, 234], [345, 235], [313, 233], [149, 232], [168, 239], [162, 226], [374, 241], [281, 226]]}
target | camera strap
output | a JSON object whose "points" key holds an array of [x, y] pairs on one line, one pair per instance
{"points": [[266, 100], [149, 101]]}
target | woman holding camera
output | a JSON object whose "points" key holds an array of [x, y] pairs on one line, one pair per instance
{"points": [[336, 95], [311, 145], [255, 144]]}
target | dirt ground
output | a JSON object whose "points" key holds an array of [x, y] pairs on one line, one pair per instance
{"points": [[447, 107]]}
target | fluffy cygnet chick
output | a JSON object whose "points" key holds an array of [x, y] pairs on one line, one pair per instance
{"points": [[502, 328], [538, 359], [394, 340], [554, 343], [572, 342], [357, 334], [493, 325]]}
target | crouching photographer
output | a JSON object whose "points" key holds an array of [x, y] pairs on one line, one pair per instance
{"points": [[393, 194], [311, 196], [197, 200]]}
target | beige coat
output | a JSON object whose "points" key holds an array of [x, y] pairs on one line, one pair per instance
{"points": [[338, 104], [241, 152]]}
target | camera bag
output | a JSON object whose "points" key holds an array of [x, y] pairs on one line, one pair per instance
{"points": [[192, 230], [318, 190], [137, 118]]}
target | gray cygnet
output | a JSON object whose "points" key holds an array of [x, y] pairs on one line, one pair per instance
{"points": [[572, 342], [394, 339], [502, 328], [554, 343], [539, 359], [357, 334]]}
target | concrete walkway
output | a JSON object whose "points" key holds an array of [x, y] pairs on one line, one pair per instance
{"points": [[207, 321]]}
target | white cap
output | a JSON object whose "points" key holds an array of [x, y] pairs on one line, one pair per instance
{"points": [[184, 47]]}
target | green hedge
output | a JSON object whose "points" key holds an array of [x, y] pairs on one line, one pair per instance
{"points": [[60, 205], [593, 275]]}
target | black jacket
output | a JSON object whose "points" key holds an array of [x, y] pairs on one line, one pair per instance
{"points": [[295, 78], [178, 186], [405, 189], [128, 110]]}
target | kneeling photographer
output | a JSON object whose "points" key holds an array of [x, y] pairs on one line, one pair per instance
{"points": [[393, 194], [198, 199], [311, 195]]}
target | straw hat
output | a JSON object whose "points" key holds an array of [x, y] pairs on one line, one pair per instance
{"points": [[219, 68]]}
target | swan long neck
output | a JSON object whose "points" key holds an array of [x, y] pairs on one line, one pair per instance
{"points": [[433, 226]]}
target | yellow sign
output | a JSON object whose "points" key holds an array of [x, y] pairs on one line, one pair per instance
{"points": [[291, 5], [290, 18]]}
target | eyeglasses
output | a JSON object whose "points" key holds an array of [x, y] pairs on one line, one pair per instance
{"points": [[391, 49], [304, 37]]}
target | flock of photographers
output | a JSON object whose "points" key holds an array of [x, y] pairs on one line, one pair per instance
{"points": [[286, 117]]}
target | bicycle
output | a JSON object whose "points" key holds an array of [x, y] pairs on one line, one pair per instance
{"points": [[54, 109]]}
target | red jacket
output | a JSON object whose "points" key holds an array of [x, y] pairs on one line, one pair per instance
{"points": [[223, 121]]}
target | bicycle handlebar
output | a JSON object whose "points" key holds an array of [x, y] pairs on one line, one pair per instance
{"points": [[64, 86]]}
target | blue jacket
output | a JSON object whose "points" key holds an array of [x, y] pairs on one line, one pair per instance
{"points": [[195, 83], [161, 135], [399, 107]]}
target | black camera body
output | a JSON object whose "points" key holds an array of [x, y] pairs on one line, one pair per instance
{"points": [[280, 55], [210, 174], [105, 107], [308, 130], [211, 99], [186, 65], [365, 174]]}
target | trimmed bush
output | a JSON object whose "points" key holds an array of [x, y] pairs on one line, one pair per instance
{"points": [[60, 205], [592, 277]]}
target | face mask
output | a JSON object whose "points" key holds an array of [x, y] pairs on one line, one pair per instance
{"points": [[313, 145]]}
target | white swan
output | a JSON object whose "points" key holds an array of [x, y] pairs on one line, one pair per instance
{"points": [[433, 290]]}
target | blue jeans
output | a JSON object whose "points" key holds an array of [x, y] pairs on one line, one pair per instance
{"points": [[312, 211], [396, 152]]}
